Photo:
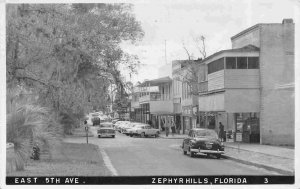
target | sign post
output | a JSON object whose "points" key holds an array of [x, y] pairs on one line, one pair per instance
{"points": [[86, 130]]}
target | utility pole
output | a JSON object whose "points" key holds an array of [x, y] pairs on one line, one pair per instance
{"points": [[166, 51], [86, 130]]}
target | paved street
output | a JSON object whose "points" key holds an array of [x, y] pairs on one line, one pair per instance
{"points": [[127, 156]]}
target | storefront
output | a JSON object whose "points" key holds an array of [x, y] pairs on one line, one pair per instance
{"points": [[247, 127], [138, 114], [189, 120], [145, 113]]}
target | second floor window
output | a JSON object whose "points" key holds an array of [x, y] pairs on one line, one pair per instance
{"points": [[216, 65]]}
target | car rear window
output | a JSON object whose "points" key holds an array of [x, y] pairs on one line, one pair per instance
{"points": [[206, 134]]}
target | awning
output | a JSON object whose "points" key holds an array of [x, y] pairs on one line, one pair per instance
{"points": [[162, 113]]}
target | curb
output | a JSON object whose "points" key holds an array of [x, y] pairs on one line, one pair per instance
{"points": [[89, 135], [280, 171], [257, 152], [170, 138]]}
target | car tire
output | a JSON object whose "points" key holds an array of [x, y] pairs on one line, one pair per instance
{"points": [[143, 135], [156, 135], [131, 135], [218, 156], [113, 136], [99, 136]]}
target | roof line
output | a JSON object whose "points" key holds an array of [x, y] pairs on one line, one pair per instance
{"points": [[245, 31]]}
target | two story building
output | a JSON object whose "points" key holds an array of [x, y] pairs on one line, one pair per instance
{"points": [[185, 83], [153, 100], [250, 88]]}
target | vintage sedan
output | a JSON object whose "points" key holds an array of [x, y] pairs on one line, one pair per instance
{"points": [[126, 129], [106, 130], [145, 131], [202, 141]]}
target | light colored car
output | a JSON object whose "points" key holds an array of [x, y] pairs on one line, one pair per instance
{"points": [[106, 130], [121, 125], [145, 131], [126, 129], [133, 131]]}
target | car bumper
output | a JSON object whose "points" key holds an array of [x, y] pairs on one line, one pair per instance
{"points": [[106, 135], [207, 151]]}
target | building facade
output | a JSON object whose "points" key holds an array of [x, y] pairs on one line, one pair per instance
{"points": [[153, 101], [250, 88], [185, 98]]}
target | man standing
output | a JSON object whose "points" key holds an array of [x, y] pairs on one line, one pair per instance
{"points": [[167, 126], [172, 126], [221, 131]]}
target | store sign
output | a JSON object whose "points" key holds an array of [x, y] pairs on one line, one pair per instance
{"points": [[238, 137], [187, 110]]}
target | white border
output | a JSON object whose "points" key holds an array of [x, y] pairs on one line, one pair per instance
{"points": [[3, 101]]}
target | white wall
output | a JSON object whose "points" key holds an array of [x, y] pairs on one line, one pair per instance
{"points": [[213, 102]]}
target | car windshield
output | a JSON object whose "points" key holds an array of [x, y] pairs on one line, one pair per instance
{"points": [[206, 134]]}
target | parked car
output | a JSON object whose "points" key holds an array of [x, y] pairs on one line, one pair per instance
{"points": [[203, 141], [115, 120], [128, 127], [145, 130], [106, 130], [121, 125]]}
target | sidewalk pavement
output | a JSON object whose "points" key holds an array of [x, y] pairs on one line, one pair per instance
{"points": [[162, 135], [273, 158]]}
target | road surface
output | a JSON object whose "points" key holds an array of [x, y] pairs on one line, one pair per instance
{"points": [[134, 156]]}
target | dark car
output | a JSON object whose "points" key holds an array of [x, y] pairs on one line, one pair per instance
{"points": [[202, 141], [96, 121]]}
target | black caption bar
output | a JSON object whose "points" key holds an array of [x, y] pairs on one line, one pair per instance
{"points": [[151, 180]]}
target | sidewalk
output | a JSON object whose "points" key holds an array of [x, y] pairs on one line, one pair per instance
{"points": [[162, 135], [274, 158]]}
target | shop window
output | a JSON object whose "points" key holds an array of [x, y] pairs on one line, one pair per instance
{"points": [[253, 63], [230, 62], [241, 62], [216, 65]]}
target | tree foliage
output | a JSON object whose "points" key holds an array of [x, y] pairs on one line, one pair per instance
{"points": [[69, 54]]}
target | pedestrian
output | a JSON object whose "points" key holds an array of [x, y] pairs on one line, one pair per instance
{"points": [[221, 131], [163, 121], [167, 126], [150, 123], [172, 126]]}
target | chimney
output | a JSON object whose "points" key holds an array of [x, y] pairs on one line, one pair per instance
{"points": [[287, 21]]}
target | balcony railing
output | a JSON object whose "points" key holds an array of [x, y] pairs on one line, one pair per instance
{"points": [[203, 87], [155, 97]]}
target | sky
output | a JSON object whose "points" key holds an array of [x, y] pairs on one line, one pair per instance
{"points": [[168, 26]]}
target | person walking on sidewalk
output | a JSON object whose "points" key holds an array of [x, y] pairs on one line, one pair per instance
{"points": [[221, 131], [172, 126], [167, 126]]}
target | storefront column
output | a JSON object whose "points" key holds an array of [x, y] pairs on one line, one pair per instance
{"points": [[181, 120], [159, 122]]}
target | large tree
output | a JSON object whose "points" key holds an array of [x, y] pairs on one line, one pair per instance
{"points": [[64, 56], [61, 49]]}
